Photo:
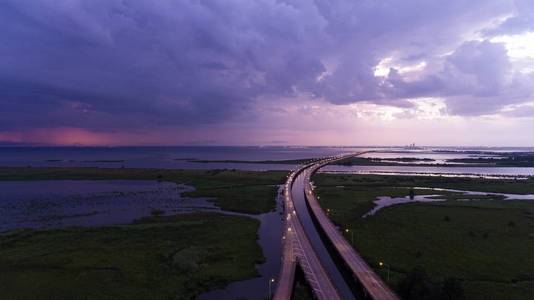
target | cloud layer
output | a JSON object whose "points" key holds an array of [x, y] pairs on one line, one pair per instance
{"points": [[112, 65]]}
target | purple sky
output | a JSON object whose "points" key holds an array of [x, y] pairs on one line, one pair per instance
{"points": [[312, 72]]}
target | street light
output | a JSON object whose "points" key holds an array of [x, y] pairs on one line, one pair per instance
{"points": [[381, 264], [351, 235], [271, 281]]}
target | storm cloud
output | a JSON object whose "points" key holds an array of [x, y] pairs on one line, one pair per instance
{"points": [[113, 64]]}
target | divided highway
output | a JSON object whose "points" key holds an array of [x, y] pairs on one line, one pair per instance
{"points": [[298, 249], [372, 284]]}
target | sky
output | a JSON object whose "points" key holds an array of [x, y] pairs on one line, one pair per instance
{"points": [[267, 72]]}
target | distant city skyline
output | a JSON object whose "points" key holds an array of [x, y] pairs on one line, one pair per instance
{"points": [[268, 72]]}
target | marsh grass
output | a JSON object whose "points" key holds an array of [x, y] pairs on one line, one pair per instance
{"points": [[240, 191], [486, 244], [154, 258]]}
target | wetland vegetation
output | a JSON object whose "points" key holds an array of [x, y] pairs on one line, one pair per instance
{"points": [[284, 161], [163, 257], [157, 257], [469, 246], [233, 190]]}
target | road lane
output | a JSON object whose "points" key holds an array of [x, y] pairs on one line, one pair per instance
{"points": [[316, 240], [371, 282], [298, 249]]}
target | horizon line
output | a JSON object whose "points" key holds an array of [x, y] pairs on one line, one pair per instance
{"points": [[417, 147]]}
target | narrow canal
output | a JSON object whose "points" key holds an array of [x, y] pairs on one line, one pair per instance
{"points": [[270, 240], [315, 239]]}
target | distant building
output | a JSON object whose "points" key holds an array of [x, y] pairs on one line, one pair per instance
{"points": [[412, 146]]}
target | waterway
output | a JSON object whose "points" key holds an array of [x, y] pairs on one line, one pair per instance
{"points": [[183, 158], [315, 239], [474, 172], [386, 201], [49, 204], [270, 240]]}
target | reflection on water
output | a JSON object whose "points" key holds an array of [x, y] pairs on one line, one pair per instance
{"points": [[436, 157], [305, 217], [161, 157], [270, 240], [178, 158], [474, 193], [470, 172], [453, 170], [60, 203], [386, 201]]}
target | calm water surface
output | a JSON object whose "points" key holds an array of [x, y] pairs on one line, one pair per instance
{"points": [[315, 239], [61, 203], [177, 158], [161, 157], [386, 201], [270, 240], [431, 171]]}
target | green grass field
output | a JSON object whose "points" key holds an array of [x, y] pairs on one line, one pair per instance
{"points": [[484, 246], [173, 257], [239, 191]]}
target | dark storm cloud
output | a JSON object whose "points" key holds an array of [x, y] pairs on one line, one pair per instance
{"points": [[103, 63], [110, 64]]}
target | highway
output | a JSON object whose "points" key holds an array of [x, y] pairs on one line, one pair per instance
{"points": [[298, 249], [372, 284], [317, 241]]}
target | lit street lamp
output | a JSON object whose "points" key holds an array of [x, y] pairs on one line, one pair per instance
{"points": [[381, 264], [351, 235], [271, 281]]}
